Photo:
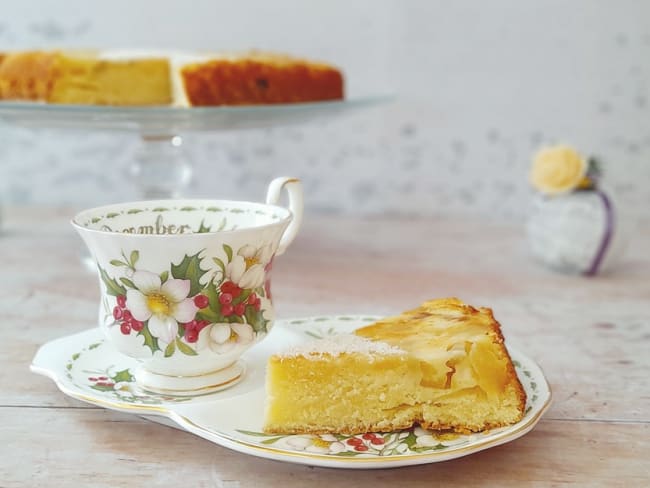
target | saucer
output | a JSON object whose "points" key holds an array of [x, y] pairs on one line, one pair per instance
{"points": [[86, 367]]}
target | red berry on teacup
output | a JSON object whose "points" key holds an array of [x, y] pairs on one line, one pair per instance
{"points": [[252, 299], [125, 328], [202, 324], [201, 301], [225, 298], [127, 315], [121, 301], [240, 308], [117, 313], [136, 325], [191, 335], [227, 309], [231, 288]]}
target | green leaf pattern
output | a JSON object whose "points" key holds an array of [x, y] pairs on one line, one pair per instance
{"points": [[112, 287], [190, 269], [193, 268]]}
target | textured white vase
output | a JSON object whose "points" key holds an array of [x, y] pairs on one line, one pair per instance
{"points": [[578, 233]]}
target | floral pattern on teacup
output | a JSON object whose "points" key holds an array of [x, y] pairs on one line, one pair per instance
{"points": [[186, 308]]}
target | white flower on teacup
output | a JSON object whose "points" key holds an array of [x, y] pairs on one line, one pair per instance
{"points": [[323, 444], [223, 337], [246, 269], [164, 305]]}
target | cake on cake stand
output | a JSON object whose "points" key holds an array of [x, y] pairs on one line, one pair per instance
{"points": [[160, 167]]}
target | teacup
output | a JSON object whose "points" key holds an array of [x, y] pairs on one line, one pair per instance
{"points": [[185, 284]]}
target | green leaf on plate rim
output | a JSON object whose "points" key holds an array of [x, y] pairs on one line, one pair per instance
{"points": [[124, 375]]}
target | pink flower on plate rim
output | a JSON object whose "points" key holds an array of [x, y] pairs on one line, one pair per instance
{"points": [[164, 305]]}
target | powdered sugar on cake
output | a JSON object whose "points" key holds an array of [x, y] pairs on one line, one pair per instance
{"points": [[341, 344]]}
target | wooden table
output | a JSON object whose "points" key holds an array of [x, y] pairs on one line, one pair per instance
{"points": [[591, 336]]}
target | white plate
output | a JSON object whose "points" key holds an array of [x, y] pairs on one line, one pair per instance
{"points": [[86, 367]]}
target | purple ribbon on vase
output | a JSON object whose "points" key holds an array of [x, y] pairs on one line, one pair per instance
{"points": [[606, 239]]}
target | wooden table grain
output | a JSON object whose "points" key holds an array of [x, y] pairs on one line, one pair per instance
{"points": [[591, 337]]}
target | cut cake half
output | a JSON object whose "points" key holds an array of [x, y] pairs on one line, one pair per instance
{"points": [[85, 77], [443, 365], [258, 78], [140, 78]]}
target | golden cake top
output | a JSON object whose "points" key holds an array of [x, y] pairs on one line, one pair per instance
{"points": [[341, 344], [459, 346]]}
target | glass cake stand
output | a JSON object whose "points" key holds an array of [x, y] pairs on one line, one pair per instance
{"points": [[161, 153]]}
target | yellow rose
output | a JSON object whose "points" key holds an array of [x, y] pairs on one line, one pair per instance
{"points": [[558, 169]]}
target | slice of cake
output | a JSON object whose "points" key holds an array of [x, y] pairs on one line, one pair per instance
{"points": [[442, 365], [139, 77], [85, 77], [259, 78], [341, 384]]}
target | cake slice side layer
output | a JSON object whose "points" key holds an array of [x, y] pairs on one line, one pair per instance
{"points": [[442, 365], [345, 384]]}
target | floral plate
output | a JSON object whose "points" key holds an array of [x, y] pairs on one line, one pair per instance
{"points": [[86, 367]]}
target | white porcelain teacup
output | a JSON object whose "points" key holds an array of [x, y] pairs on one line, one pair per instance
{"points": [[185, 284]]}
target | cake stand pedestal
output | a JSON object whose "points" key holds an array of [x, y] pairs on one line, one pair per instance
{"points": [[161, 167]]}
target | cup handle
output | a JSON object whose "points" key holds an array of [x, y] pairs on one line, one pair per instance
{"points": [[294, 190]]}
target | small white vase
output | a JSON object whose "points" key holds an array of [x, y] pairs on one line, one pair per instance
{"points": [[578, 233]]}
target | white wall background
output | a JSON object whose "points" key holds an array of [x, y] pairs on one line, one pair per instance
{"points": [[480, 86]]}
